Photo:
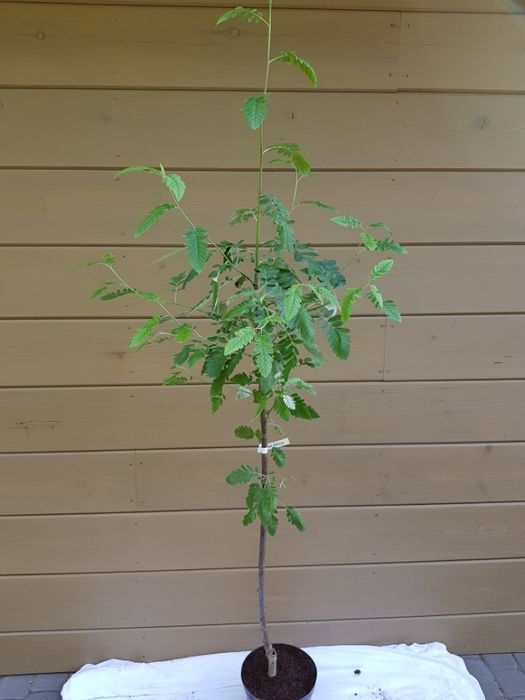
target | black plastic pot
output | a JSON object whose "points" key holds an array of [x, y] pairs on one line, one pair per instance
{"points": [[295, 679]]}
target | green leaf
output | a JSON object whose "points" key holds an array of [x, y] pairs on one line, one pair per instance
{"points": [[175, 184], [303, 410], [379, 224], [214, 361], [263, 351], [240, 340], [182, 333], [239, 310], [381, 268], [286, 236], [255, 110], [124, 291], [175, 379], [244, 392], [298, 383], [293, 59], [295, 519], [138, 169], [245, 13], [243, 475], [151, 218], [349, 299], [182, 356], [241, 216], [250, 517], [293, 155], [338, 339], [267, 507], [392, 246], [347, 221], [144, 332], [195, 240], [317, 203], [292, 302], [196, 356], [305, 326], [100, 290], [148, 296], [281, 408], [369, 241], [391, 310], [242, 378], [253, 495], [375, 296], [244, 432], [278, 456]]}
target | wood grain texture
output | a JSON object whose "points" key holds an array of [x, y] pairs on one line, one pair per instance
{"points": [[181, 48], [185, 598], [462, 52], [163, 480], [66, 651], [33, 420], [74, 207], [490, 6], [484, 279], [93, 128], [121, 542], [462, 347], [62, 353]]}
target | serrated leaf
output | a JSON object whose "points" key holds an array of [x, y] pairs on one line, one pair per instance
{"points": [[253, 495], [148, 296], [195, 241], [244, 432], [292, 302], [278, 456], [243, 392], [175, 184], [246, 13], [391, 310], [281, 408], [101, 290], [214, 362], [305, 326], [289, 401], [182, 333], [243, 475], [144, 332], [255, 110], [379, 224], [349, 299], [286, 236], [375, 296], [392, 246], [240, 340], [249, 517], [303, 410], [117, 293], [369, 241], [182, 356], [338, 339], [175, 379], [291, 58], [317, 203], [240, 216], [196, 356], [242, 378], [267, 506], [298, 383], [295, 519], [263, 352], [381, 268], [293, 155], [238, 310], [347, 221], [151, 218]]}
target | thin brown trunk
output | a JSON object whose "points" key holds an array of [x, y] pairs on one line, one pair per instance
{"points": [[271, 654]]}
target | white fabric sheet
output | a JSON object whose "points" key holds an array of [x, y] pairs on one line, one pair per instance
{"points": [[400, 672]]}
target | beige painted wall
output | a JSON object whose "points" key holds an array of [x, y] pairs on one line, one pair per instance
{"points": [[118, 536]]}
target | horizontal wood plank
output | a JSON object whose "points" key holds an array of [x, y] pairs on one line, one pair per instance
{"points": [[185, 598], [139, 47], [159, 541], [157, 480], [491, 6], [93, 128], [461, 347], [75, 207], [48, 652], [484, 279], [61, 353], [33, 420], [462, 52]]}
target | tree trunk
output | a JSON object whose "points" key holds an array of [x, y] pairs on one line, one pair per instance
{"points": [[271, 654]]}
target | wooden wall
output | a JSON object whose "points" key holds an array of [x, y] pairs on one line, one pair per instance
{"points": [[118, 534]]}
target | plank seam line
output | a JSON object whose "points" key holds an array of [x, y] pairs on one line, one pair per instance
{"points": [[211, 448], [323, 246], [203, 169]]}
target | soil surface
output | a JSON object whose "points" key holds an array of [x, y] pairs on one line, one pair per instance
{"points": [[296, 674]]}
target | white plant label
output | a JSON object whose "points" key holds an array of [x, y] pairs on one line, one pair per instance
{"points": [[278, 443]]}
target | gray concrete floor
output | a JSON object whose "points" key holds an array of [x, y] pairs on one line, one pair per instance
{"points": [[501, 676]]}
